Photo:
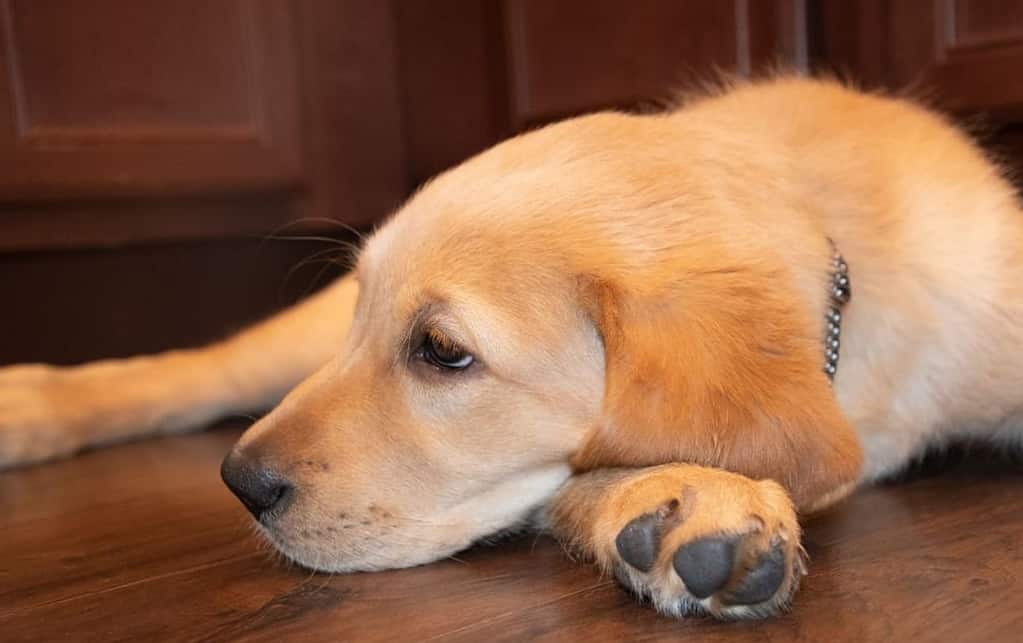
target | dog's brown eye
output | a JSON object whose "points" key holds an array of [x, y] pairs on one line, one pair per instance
{"points": [[441, 352]]}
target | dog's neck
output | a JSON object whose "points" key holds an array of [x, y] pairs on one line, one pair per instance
{"points": [[840, 290]]}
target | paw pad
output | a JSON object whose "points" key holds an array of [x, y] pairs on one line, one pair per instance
{"points": [[762, 581], [639, 541], [705, 565], [736, 570]]}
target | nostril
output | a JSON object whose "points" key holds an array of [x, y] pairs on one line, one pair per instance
{"points": [[272, 505], [282, 497], [264, 492]]}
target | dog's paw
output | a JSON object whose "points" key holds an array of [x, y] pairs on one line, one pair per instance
{"points": [[718, 543], [39, 413]]}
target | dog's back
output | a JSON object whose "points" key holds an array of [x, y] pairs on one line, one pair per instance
{"points": [[934, 236]]}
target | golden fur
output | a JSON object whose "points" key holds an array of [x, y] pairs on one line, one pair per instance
{"points": [[644, 297]]}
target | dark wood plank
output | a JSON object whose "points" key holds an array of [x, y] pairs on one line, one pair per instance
{"points": [[354, 147], [454, 81], [965, 54], [142, 542], [79, 305], [573, 56]]}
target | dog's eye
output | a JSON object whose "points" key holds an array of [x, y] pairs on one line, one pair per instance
{"points": [[441, 352]]}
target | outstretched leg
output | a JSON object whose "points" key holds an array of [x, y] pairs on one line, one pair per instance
{"points": [[691, 539], [47, 412]]}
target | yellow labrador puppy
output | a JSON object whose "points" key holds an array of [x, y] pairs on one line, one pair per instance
{"points": [[657, 336]]}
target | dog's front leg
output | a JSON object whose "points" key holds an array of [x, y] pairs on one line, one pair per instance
{"points": [[47, 412], [691, 539]]}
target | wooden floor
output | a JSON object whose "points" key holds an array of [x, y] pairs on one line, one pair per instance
{"points": [[143, 543]]}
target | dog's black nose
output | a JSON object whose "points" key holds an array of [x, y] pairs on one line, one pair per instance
{"points": [[264, 492]]}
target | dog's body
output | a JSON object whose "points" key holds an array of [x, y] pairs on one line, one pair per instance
{"points": [[546, 324]]}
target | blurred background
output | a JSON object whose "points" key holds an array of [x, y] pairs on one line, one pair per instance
{"points": [[155, 155]]}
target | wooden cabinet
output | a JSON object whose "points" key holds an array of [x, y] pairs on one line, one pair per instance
{"points": [[572, 56], [977, 57], [146, 144], [147, 149], [113, 98], [126, 121], [476, 71], [133, 122], [965, 54]]}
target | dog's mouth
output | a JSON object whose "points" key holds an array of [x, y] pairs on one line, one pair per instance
{"points": [[322, 529], [378, 539]]}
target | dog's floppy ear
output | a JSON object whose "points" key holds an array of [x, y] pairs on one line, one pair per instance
{"points": [[721, 368]]}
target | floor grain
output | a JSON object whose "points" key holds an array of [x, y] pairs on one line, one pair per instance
{"points": [[143, 543]]}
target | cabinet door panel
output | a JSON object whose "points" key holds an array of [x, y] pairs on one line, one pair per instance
{"points": [[978, 57], [967, 53], [571, 56], [980, 22], [117, 97]]}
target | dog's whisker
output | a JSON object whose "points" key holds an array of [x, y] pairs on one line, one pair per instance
{"points": [[245, 416], [328, 264], [327, 257], [276, 234], [326, 252], [334, 222], [341, 243]]}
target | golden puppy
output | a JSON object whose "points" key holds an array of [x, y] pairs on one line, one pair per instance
{"points": [[620, 328]]}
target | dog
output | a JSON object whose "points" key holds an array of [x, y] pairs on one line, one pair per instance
{"points": [[660, 337]]}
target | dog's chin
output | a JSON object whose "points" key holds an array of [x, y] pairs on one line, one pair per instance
{"points": [[345, 557], [379, 540], [328, 551]]}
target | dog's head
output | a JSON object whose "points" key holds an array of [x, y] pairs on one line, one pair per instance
{"points": [[564, 301]]}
